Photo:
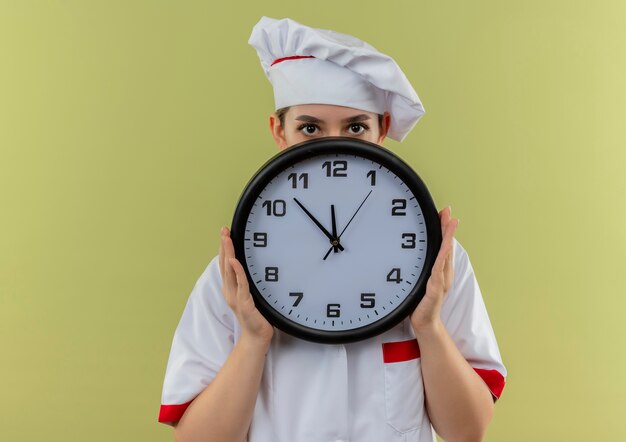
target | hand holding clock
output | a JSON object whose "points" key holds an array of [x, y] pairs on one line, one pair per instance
{"points": [[428, 311], [237, 293]]}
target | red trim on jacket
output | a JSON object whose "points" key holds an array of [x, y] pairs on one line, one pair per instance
{"points": [[293, 57], [494, 380], [407, 350], [172, 413], [400, 351]]}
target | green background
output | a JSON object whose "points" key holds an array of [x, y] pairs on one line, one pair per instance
{"points": [[128, 130]]}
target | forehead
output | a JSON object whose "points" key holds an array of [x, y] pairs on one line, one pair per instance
{"points": [[326, 111]]}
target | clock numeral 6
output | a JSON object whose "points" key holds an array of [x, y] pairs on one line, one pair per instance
{"points": [[271, 274], [261, 237], [298, 295], [367, 300], [411, 240], [332, 310], [294, 180], [395, 279], [397, 207], [277, 208], [340, 167]]}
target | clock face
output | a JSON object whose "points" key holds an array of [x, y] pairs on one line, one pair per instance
{"points": [[337, 237]]}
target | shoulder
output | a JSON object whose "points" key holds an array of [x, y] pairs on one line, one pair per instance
{"points": [[460, 259], [462, 266], [207, 293], [464, 296]]}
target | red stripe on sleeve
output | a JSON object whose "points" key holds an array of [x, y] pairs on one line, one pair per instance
{"points": [[400, 351], [172, 413], [494, 380]]}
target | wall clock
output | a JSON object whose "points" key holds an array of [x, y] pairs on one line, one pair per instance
{"points": [[338, 237]]}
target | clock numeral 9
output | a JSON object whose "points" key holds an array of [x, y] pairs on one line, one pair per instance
{"points": [[271, 274], [367, 300], [340, 166], [261, 237], [397, 279], [294, 180], [298, 295], [411, 240], [277, 208], [396, 210], [372, 175], [332, 310]]}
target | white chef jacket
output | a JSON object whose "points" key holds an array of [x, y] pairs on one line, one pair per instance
{"points": [[370, 390]]}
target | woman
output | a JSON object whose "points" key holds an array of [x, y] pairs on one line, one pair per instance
{"points": [[231, 375]]}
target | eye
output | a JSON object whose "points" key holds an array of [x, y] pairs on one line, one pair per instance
{"points": [[308, 129], [357, 128]]}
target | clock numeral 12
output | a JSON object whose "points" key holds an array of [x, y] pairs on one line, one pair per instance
{"points": [[277, 208], [294, 177], [333, 310], [340, 166]]}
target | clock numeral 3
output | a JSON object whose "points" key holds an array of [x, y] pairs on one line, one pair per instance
{"points": [[367, 300], [397, 210], [271, 274], [411, 240], [397, 279], [261, 237], [277, 208], [340, 167], [333, 310], [298, 295], [294, 180]]}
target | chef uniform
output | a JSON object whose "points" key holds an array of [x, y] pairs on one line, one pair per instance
{"points": [[367, 391]]}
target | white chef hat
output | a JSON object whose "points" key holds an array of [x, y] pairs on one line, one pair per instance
{"points": [[317, 66]]}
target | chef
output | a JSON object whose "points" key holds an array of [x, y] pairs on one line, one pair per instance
{"points": [[231, 375]]}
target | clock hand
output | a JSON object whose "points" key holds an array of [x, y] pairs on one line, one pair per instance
{"points": [[332, 215], [344, 229], [357, 211], [335, 247], [317, 223]]}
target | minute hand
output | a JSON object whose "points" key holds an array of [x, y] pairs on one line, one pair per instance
{"points": [[317, 223]]}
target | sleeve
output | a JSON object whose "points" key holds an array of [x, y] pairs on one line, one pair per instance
{"points": [[203, 339], [465, 317]]}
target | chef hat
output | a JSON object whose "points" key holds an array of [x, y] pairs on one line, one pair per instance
{"points": [[317, 66]]}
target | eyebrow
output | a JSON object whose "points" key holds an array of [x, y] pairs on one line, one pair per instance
{"points": [[353, 119]]}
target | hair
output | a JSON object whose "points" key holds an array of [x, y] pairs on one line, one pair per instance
{"points": [[280, 113]]}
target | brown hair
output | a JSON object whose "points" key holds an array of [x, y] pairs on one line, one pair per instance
{"points": [[280, 113]]}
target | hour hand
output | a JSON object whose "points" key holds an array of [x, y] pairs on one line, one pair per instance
{"points": [[334, 232], [317, 223]]}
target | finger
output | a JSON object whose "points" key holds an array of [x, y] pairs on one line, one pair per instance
{"points": [[230, 253], [221, 260], [242, 280], [444, 216], [450, 228], [446, 243]]}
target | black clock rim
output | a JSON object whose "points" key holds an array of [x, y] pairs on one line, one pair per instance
{"points": [[342, 145]]}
